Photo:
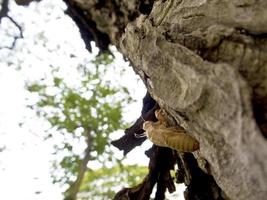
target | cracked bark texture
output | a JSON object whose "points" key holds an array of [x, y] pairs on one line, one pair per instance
{"points": [[205, 63]]}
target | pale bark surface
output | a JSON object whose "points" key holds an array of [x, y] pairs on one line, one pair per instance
{"points": [[205, 63]]}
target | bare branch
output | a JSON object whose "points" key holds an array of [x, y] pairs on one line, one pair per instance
{"points": [[4, 13], [17, 25], [4, 10]]}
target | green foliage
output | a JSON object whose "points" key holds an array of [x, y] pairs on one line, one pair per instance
{"points": [[103, 59], [83, 114], [112, 180]]}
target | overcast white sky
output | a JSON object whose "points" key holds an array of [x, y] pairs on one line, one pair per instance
{"points": [[25, 162]]}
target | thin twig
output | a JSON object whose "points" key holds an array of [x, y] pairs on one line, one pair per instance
{"points": [[17, 25], [4, 13], [4, 10]]}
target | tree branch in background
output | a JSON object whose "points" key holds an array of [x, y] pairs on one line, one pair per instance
{"points": [[87, 27], [17, 36], [128, 142], [4, 9], [24, 2], [162, 160], [4, 13], [71, 193]]}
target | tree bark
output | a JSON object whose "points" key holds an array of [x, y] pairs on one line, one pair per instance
{"points": [[205, 63]]}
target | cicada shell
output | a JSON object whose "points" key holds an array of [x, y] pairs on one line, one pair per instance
{"points": [[179, 140], [160, 115], [173, 137]]}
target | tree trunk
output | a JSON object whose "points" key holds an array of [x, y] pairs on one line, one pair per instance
{"points": [[71, 193], [205, 63]]}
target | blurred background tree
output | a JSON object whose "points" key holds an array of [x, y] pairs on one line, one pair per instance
{"points": [[104, 182], [85, 115]]}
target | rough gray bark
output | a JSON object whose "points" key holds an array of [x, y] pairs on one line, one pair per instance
{"points": [[210, 98], [205, 63]]}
